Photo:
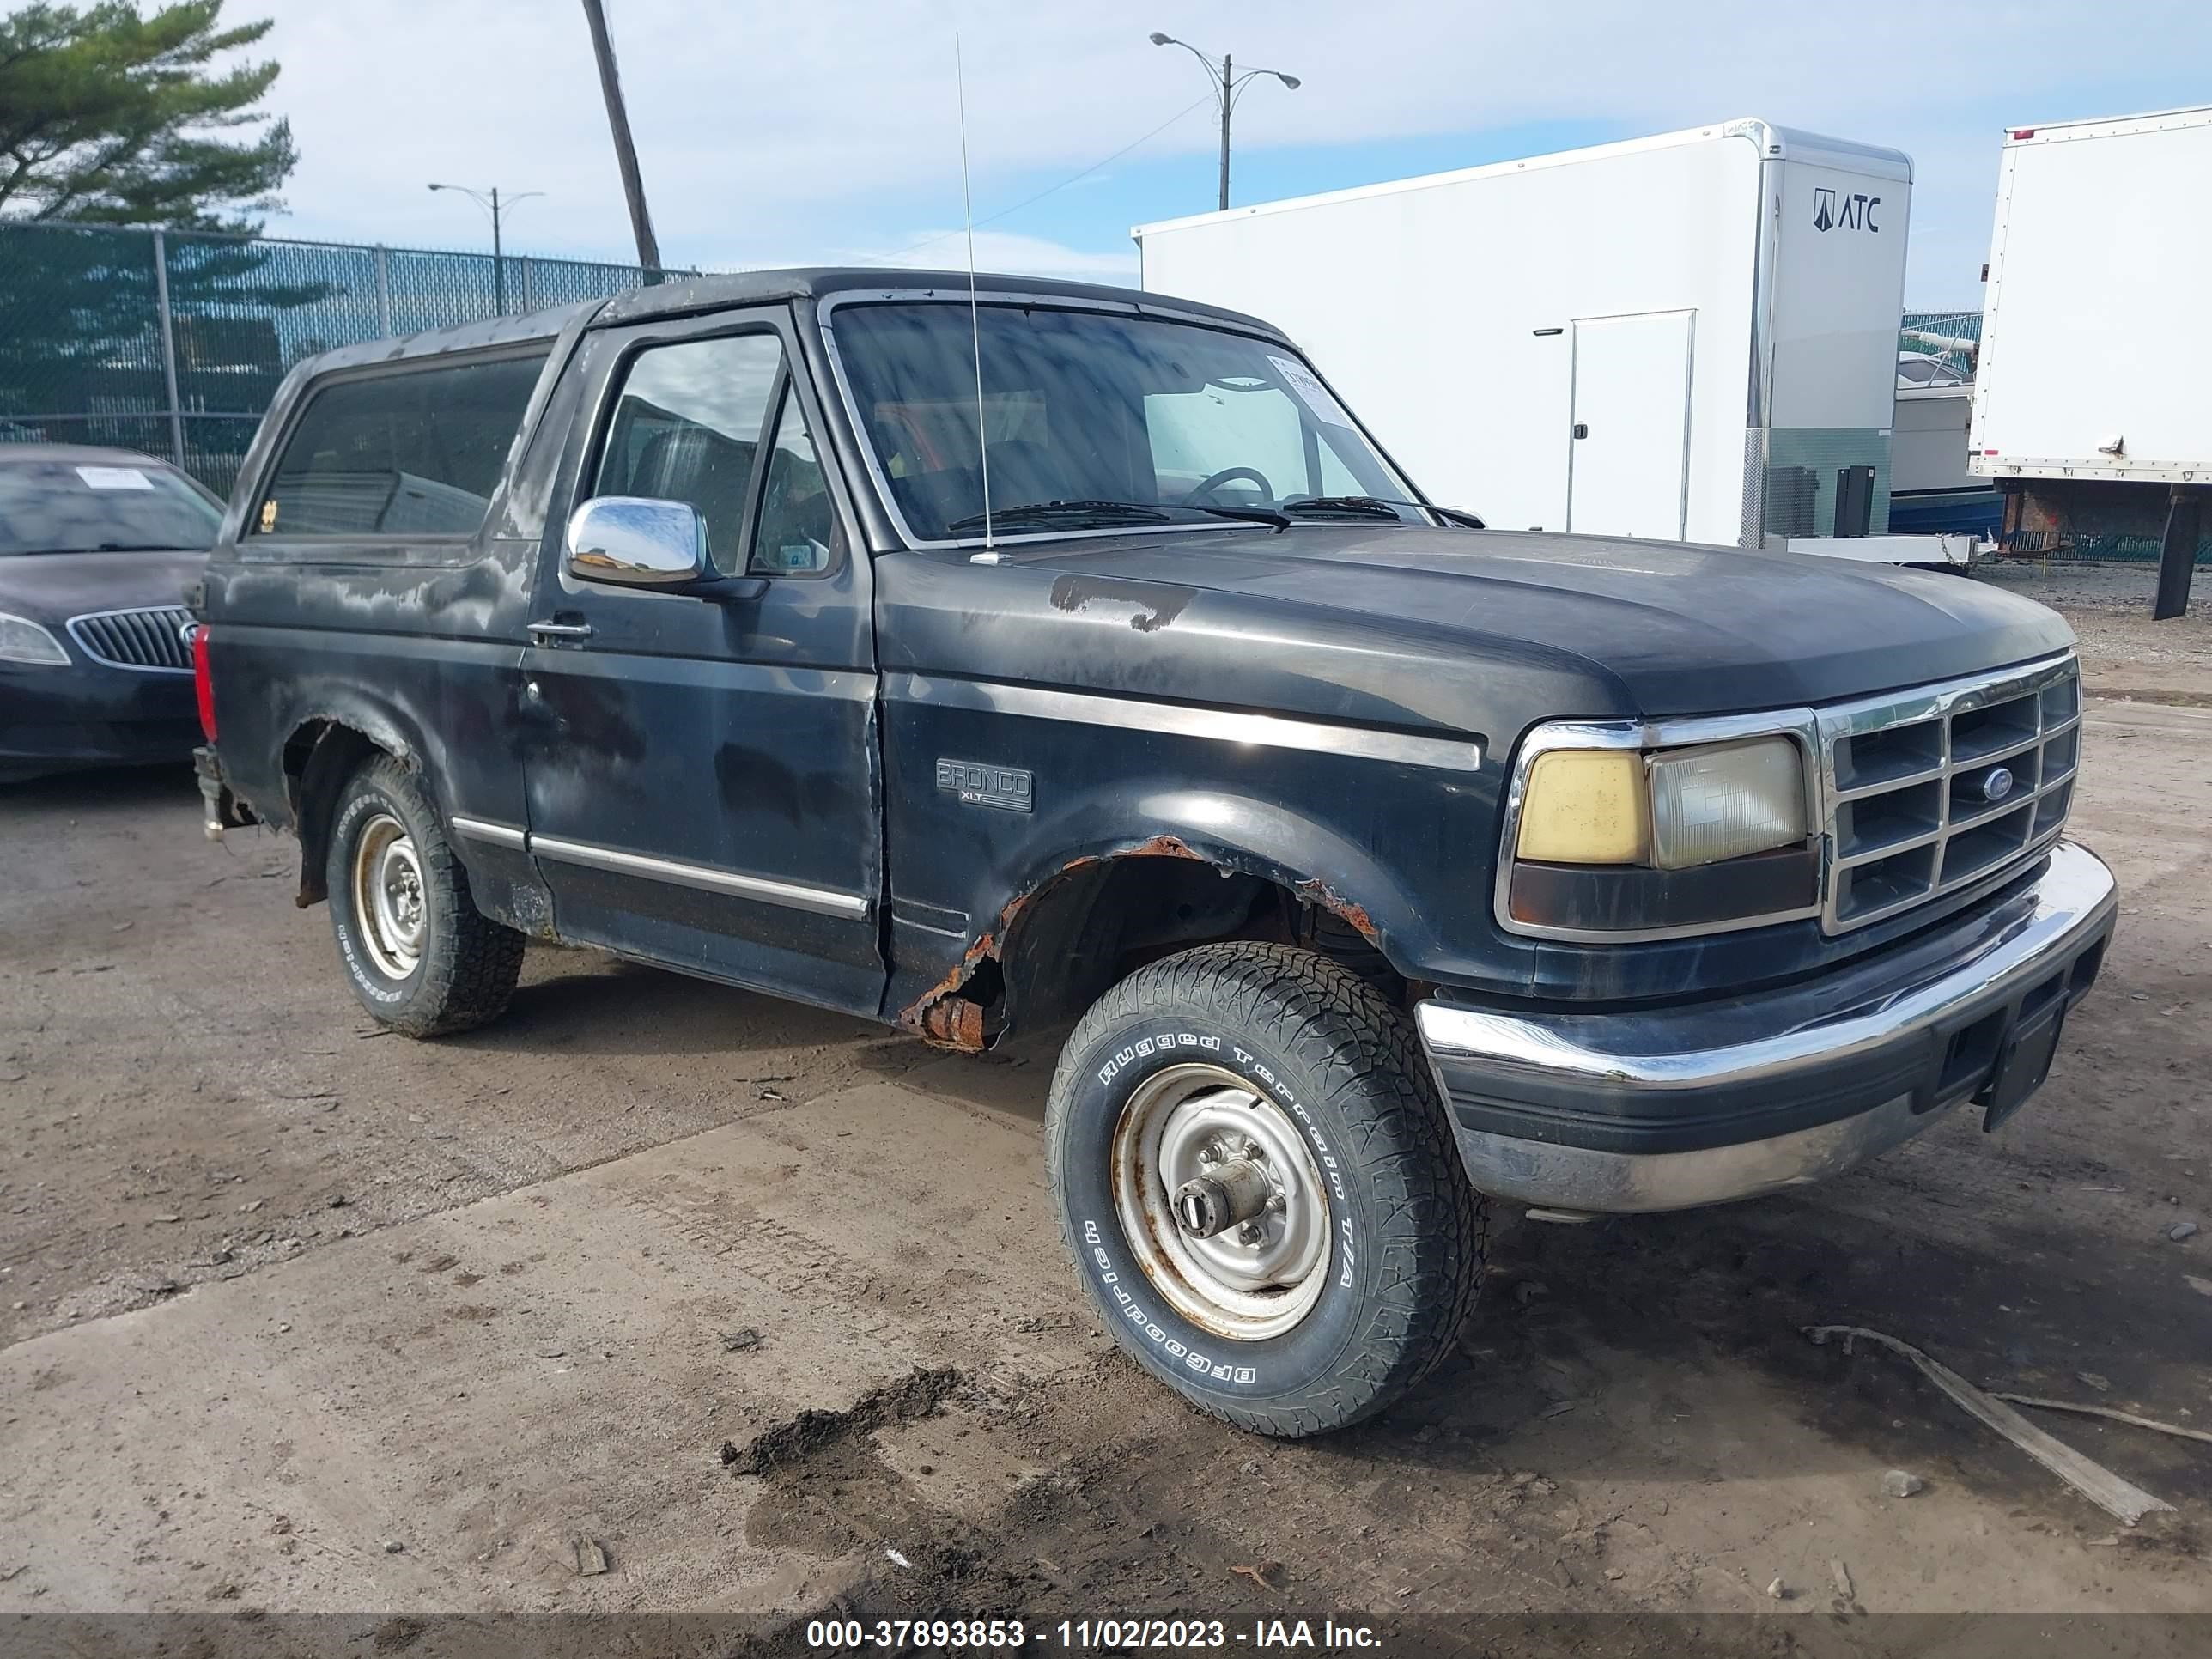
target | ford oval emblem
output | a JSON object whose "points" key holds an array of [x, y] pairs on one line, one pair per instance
{"points": [[1996, 783]]}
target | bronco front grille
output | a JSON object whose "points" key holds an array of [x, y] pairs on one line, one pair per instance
{"points": [[1934, 789], [152, 639]]}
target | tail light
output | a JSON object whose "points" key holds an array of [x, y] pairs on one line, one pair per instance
{"points": [[202, 683]]}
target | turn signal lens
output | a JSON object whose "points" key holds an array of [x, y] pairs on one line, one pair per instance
{"points": [[1586, 806]]}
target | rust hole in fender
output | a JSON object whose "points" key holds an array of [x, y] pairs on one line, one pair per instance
{"points": [[943, 1018], [1354, 917]]}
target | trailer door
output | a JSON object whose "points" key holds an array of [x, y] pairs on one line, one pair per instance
{"points": [[1628, 457]]}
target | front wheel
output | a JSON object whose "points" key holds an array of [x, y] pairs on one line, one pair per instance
{"points": [[418, 953], [1259, 1188]]}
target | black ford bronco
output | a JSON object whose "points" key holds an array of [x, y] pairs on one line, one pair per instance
{"points": [[1388, 866]]}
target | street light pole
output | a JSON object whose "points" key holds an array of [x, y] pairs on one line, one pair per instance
{"points": [[1228, 86], [491, 204]]}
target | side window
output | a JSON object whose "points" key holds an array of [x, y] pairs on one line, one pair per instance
{"points": [[795, 528], [417, 452], [687, 428]]}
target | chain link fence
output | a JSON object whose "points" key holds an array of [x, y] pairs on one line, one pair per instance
{"points": [[1954, 337], [172, 343]]}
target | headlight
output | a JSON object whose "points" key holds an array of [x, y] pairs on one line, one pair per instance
{"points": [[1623, 841], [23, 640], [1672, 811], [1725, 800]]}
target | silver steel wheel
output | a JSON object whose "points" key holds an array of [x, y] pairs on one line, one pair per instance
{"points": [[387, 897], [1199, 1124]]}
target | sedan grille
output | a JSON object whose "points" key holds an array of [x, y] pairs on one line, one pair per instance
{"points": [[1931, 789], [152, 639]]}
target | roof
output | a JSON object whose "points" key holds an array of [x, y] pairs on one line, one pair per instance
{"points": [[462, 336], [1784, 143], [700, 294], [826, 281], [77, 455]]}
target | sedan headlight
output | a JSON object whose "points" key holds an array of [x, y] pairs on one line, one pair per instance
{"points": [[23, 640], [1617, 841]]}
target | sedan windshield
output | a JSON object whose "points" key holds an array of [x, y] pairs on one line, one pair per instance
{"points": [[1097, 420], [114, 505]]}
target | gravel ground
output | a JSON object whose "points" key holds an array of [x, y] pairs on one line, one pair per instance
{"points": [[2125, 655], [298, 1317]]}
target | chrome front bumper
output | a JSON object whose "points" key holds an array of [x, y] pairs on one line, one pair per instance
{"points": [[1667, 1108]]}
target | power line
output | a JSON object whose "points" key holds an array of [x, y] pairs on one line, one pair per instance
{"points": [[1073, 179]]}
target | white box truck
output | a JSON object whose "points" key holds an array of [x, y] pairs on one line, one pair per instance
{"points": [[2089, 399], [1690, 336]]}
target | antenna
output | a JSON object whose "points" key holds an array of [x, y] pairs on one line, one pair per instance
{"points": [[989, 555]]}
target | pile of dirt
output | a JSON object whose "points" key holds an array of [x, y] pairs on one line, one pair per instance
{"points": [[796, 1439]]}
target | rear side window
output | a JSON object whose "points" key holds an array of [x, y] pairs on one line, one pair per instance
{"points": [[414, 452]]}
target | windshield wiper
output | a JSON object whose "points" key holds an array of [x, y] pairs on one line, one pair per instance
{"points": [[1054, 512], [1112, 512], [1362, 507]]}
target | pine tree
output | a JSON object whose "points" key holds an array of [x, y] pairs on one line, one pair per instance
{"points": [[107, 117]]}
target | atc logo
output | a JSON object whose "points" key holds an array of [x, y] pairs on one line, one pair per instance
{"points": [[1854, 212]]}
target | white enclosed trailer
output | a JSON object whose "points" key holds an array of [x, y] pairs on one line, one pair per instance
{"points": [[1690, 336], [2090, 403]]}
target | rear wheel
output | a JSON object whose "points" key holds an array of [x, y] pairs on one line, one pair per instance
{"points": [[1259, 1188], [419, 955]]}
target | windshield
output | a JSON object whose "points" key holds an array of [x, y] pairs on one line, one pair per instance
{"points": [[115, 505], [1095, 419]]}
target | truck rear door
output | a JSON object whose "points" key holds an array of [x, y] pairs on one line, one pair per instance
{"points": [[702, 775], [1629, 463]]}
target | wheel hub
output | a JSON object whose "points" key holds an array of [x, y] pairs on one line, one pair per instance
{"points": [[388, 896], [1220, 1199]]}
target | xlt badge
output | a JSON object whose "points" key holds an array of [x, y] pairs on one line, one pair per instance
{"points": [[1008, 788]]}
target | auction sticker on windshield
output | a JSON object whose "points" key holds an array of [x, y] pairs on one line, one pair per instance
{"points": [[1315, 396], [114, 477]]}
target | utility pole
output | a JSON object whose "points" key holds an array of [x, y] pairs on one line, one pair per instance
{"points": [[490, 203], [640, 221], [1228, 87]]}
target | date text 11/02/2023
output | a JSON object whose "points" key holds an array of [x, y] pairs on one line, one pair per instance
{"points": [[1111, 1634]]}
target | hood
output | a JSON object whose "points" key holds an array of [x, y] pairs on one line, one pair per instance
{"points": [[1479, 631], [1681, 628], [52, 587]]}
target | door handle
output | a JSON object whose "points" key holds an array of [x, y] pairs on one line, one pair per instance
{"points": [[561, 630], [1582, 428]]}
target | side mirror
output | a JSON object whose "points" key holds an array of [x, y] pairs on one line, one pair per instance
{"points": [[635, 542]]}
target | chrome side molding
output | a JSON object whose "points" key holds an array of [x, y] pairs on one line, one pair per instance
{"points": [[793, 895]]}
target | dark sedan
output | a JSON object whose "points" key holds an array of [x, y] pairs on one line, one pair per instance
{"points": [[97, 546]]}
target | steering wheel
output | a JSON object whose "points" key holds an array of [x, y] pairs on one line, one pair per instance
{"points": [[1222, 477]]}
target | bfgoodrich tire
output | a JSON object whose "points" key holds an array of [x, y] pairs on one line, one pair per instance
{"points": [[419, 955], [1276, 1078]]}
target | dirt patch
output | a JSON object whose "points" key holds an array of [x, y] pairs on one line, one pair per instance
{"points": [[775, 1450]]}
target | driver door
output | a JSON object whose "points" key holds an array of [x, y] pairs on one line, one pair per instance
{"points": [[701, 773]]}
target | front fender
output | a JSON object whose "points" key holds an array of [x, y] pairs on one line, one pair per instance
{"points": [[1318, 862], [942, 981]]}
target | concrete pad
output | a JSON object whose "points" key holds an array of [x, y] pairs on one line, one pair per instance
{"points": [[480, 1387]]}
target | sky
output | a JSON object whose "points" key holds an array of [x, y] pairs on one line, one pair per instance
{"points": [[830, 131]]}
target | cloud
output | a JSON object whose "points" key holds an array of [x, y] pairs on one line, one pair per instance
{"points": [[765, 128], [1006, 251]]}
